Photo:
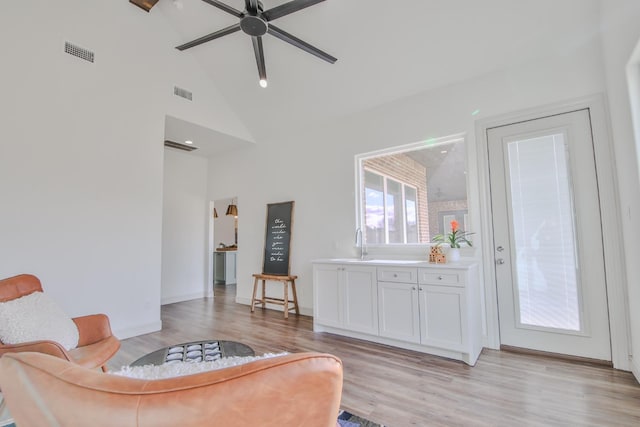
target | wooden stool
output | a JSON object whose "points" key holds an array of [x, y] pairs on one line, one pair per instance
{"points": [[280, 301]]}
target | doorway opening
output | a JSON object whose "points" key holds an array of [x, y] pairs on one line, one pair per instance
{"points": [[225, 244]]}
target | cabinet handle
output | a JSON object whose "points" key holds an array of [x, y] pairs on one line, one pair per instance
{"points": [[421, 288], [414, 288], [440, 277], [395, 275]]}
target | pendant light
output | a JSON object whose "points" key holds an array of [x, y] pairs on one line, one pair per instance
{"points": [[232, 209]]}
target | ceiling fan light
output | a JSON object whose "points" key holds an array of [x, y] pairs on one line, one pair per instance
{"points": [[263, 82]]}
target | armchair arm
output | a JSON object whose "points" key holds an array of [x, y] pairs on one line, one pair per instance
{"points": [[92, 328], [48, 347]]}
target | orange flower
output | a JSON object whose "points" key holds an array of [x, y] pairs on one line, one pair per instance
{"points": [[454, 226]]}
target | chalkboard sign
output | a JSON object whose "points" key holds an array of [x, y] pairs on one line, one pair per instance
{"points": [[277, 242]]}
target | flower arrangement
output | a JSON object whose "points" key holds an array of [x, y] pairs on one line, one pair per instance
{"points": [[454, 238]]}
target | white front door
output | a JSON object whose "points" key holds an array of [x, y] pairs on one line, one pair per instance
{"points": [[548, 236]]}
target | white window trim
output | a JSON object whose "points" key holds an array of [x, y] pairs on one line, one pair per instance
{"points": [[396, 249]]}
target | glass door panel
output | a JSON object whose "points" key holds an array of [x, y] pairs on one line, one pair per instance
{"points": [[546, 286]]}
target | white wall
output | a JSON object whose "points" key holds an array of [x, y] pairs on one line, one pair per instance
{"points": [[620, 36], [184, 227], [81, 152], [315, 166]]}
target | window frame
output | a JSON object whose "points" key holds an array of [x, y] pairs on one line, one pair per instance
{"points": [[359, 170]]}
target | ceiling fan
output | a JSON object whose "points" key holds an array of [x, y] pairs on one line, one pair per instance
{"points": [[256, 22]]}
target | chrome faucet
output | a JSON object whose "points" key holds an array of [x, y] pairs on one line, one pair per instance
{"points": [[360, 242]]}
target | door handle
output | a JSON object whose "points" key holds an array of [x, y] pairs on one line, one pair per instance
{"points": [[500, 261], [499, 249]]}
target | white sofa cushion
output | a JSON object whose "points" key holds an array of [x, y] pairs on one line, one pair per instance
{"points": [[177, 369], [36, 317]]}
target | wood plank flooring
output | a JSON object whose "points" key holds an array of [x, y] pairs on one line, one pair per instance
{"points": [[404, 388]]}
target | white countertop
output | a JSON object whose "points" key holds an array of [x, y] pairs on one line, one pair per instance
{"points": [[395, 263]]}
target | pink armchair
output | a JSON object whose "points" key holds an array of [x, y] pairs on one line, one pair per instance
{"points": [[301, 389], [96, 344]]}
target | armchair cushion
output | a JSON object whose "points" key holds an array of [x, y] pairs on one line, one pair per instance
{"points": [[35, 317]]}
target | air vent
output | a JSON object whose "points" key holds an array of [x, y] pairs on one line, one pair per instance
{"points": [[78, 51], [179, 145], [183, 93]]}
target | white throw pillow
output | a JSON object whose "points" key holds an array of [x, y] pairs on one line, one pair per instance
{"points": [[36, 317], [177, 369]]}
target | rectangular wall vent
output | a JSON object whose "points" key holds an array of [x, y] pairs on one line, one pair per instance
{"points": [[79, 52], [179, 146], [183, 93]]}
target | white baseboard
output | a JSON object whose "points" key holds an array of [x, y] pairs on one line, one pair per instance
{"points": [[307, 311], [635, 368], [138, 330], [180, 298]]}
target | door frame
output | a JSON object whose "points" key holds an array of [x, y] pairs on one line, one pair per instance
{"points": [[609, 211]]}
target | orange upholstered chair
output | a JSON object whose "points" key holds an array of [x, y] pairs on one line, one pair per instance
{"points": [[96, 343], [302, 389]]}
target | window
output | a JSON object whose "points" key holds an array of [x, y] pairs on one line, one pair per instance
{"points": [[390, 210], [408, 194]]}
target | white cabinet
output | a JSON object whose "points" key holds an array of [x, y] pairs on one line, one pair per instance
{"points": [[346, 296], [434, 309], [224, 267]]}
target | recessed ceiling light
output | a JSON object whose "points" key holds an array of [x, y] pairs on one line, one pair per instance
{"points": [[263, 83], [443, 152], [188, 142]]}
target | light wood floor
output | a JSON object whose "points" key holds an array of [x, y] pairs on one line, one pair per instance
{"points": [[405, 388]]}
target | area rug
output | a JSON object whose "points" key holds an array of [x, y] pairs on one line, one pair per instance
{"points": [[347, 419]]}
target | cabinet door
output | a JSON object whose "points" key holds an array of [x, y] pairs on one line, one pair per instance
{"points": [[218, 266], [327, 309], [398, 311], [230, 268], [442, 311], [360, 299]]}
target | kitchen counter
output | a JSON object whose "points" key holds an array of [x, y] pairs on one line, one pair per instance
{"points": [[395, 262]]}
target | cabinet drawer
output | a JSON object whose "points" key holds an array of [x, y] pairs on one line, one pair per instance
{"points": [[398, 274], [441, 277]]}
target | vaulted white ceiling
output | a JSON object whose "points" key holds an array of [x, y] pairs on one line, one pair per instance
{"points": [[386, 50]]}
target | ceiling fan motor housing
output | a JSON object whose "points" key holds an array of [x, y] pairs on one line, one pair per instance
{"points": [[254, 25]]}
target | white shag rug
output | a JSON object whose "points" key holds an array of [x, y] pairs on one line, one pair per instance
{"points": [[177, 369]]}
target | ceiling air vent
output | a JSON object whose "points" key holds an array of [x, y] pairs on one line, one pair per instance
{"points": [[179, 145], [183, 93], [78, 51]]}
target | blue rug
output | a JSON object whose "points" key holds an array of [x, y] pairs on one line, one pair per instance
{"points": [[347, 419]]}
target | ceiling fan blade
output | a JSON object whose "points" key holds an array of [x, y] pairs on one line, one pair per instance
{"points": [[223, 32], [233, 11], [251, 5], [287, 8], [259, 51], [289, 38]]}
